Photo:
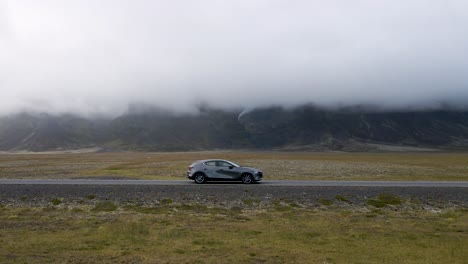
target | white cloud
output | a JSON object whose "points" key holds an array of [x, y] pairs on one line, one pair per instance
{"points": [[99, 56]]}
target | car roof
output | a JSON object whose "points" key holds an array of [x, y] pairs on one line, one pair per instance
{"points": [[213, 160]]}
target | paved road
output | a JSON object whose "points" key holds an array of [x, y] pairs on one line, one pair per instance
{"points": [[433, 184]]}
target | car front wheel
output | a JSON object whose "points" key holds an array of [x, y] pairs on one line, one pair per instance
{"points": [[247, 178], [199, 178]]}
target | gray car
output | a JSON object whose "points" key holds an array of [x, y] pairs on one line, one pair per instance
{"points": [[222, 170]]}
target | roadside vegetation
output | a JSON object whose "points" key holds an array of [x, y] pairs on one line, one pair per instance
{"points": [[194, 233], [436, 166]]}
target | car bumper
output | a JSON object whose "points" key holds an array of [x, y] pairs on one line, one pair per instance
{"points": [[258, 176], [189, 175]]}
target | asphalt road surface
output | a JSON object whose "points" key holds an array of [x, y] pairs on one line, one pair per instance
{"points": [[434, 184]]}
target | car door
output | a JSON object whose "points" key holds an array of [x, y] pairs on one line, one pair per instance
{"points": [[210, 169], [226, 170]]}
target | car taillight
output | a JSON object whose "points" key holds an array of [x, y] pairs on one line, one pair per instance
{"points": [[190, 168]]}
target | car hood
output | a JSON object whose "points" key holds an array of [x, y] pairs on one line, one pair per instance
{"points": [[250, 169]]}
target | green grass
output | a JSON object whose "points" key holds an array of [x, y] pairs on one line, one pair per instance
{"points": [[437, 166], [56, 201], [341, 198], [105, 206], [166, 201], [326, 202], [389, 199], [200, 234], [383, 200]]}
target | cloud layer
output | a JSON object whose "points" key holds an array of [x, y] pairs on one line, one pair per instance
{"points": [[90, 57]]}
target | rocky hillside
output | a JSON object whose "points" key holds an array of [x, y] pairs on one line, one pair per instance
{"points": [[303, 128], [354, 128]]}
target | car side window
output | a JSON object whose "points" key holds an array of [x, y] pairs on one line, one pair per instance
{"points": [[222, 164], [210, 163]]}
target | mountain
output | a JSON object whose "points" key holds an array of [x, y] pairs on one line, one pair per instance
{"points": [[302, 128], [350, 128], [210, 129], [39, 132]]}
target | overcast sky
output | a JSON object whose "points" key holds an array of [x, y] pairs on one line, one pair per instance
{"points": [[89, 56]]}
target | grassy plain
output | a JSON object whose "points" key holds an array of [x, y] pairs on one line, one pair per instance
{"points": [[172, 233], [276, 165], [386, 230]]}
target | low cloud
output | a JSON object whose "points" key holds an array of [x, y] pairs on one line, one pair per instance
{"points": [[97, 57]]}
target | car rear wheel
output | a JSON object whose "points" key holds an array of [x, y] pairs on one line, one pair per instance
{"points": [[199, 178], [247, 178]]}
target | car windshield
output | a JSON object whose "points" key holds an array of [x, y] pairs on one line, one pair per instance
{"points": [[235, 165]]}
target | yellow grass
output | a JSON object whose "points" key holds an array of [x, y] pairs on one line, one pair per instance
{"points": [[197, 234], [276, 165]]}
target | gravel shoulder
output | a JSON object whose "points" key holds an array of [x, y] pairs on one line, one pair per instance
{"points": [[228, 195]]}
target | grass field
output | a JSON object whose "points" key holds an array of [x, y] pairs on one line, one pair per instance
{"points": [[175, 233], [385, 230], [276, 165]]}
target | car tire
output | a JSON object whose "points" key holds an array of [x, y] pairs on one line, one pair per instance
{"points": [[247, 178], [199, 178]]}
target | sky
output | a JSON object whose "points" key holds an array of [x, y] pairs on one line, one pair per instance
{"points": [[97, 57]]}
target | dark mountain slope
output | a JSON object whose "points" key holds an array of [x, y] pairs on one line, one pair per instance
{"points": [[46, 132], [268, 128], [307, 125], [211, 129]]}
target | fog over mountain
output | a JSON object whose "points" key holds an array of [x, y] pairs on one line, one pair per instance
{"points": [[97, 57]]}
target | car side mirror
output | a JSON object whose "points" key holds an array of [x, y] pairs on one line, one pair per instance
{"points": [[231, 167]]}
